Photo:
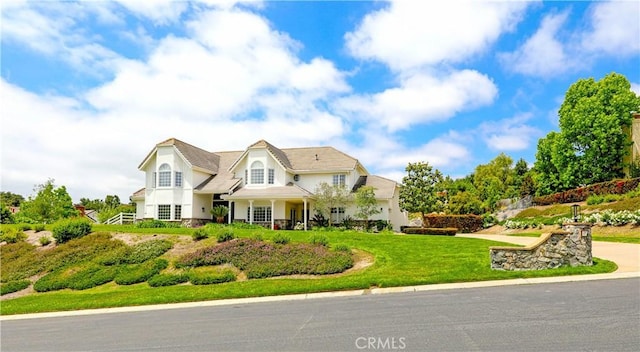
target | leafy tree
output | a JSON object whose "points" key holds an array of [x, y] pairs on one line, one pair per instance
{"points": [[6, 217], [366, 203], [422, 188], [466, 203], [328, 196], [592, 141], [112, 201], [547, 174], [49, 205], [495, 181], [95, 204], [11, 199], [528, 185]]}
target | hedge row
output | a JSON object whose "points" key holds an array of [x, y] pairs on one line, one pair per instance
{"points": [[430, 231], [581, 194], [464, 223]]}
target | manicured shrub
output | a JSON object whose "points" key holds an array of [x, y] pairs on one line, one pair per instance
{"points": [[50, 282], [19, 261], [13, 286], [77, 277], [167, 280], [210, 276], [11, 235], [430, 231], [464, 223], [141, 252], [24, 227], [199, 234], [91, 275], [79, 250], [281, 238], [115, 256], [225, 235], [583, 193], [68, 229], [136, 273], [44, 241], [38, 227], [319, 240]]}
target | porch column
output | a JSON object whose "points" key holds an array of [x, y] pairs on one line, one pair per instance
{"points": [[250, 211], [273, 202], [230, 212], [304, 213]]}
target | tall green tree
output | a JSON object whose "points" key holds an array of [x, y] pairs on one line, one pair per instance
{"points": [[112, 201], [11, 199], [95, 204], [51, 203], [422, 189], [593, 141], [328, 197], [496, 180], [366, 203]]}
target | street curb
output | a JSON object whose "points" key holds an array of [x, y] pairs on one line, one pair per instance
{"points": [[298, 297]]}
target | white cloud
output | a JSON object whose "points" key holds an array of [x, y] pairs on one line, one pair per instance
{"points": [[161, 12], [54, 29], [543, 54], [615, 27], [410, 34], [216, 95], [635, 87], [422, 98], [511, 134], [611, 29]]}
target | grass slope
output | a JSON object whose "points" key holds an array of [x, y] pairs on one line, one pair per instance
{"points": [[400, 260]]}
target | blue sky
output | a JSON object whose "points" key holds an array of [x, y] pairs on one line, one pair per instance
{"points": [[88, 88]]}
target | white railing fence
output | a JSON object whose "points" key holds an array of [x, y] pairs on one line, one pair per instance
{"points": [[122, 218]]}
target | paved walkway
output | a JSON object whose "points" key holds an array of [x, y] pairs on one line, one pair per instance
{"points": [[625, 255]]}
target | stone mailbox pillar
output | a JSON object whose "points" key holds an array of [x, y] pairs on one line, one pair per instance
{"points": [[578, 243]]}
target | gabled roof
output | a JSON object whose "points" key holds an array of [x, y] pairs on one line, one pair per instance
{"points": [[307, 159], [224, 181], [384, 187], [196, 157], [276, 152]]}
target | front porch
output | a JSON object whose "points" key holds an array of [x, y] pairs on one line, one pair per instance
{"points": [[273, 207]]}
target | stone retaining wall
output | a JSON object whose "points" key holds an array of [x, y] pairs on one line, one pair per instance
{"points": [[571, 247]]}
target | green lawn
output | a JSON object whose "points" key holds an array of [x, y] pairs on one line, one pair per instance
{"points": [[399, 260]]}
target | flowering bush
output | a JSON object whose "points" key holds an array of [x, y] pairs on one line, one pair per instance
{"points": [[613, 218], [260, 259], [522, 224]]}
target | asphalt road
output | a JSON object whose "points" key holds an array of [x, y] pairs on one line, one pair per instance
{"points": [[599, 315]]}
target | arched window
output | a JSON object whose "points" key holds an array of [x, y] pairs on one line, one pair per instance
{"points": [[164, 175], [257, 173]]}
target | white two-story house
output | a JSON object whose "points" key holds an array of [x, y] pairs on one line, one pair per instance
{"points": [[261, 185]]}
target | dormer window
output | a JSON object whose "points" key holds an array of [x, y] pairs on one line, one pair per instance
{"points": [[164, 175], [257, 173], [272, 176]]}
